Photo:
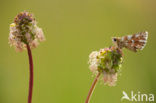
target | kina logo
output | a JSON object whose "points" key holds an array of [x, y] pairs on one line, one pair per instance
{"points": [[137, 97]]}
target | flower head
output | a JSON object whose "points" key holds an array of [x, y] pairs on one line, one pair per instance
{"points": [[24, 31], [108, 62]]}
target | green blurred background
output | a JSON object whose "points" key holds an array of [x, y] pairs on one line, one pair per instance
{"points": [[73, 29]]}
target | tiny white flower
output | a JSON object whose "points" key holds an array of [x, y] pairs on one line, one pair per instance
{"points": [[93, 61]]}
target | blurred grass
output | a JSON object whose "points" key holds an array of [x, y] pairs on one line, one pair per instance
{"points": [[74, 28]]}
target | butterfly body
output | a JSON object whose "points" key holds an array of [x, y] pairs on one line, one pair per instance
{"points": [[133, 42]]}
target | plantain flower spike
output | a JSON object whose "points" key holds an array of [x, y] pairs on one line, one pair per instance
{"points": [[108, 62], [24, 31]]}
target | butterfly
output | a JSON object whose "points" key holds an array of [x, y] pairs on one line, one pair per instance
{"points": [[133, 42]]}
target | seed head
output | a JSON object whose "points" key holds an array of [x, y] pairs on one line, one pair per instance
{"points": [[108, 62], [24, 31]]}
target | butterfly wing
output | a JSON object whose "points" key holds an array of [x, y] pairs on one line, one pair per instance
{"points": [[135, 42]]}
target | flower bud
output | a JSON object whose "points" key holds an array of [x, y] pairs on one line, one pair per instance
{"points": [[24, 31], [108, 62]]}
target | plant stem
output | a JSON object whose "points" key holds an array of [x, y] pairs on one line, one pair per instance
{"points": [[92, 87], [31, 74]]}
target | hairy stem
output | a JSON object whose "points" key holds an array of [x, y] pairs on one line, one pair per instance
{"points": [[92, 88], [31, 74]]}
